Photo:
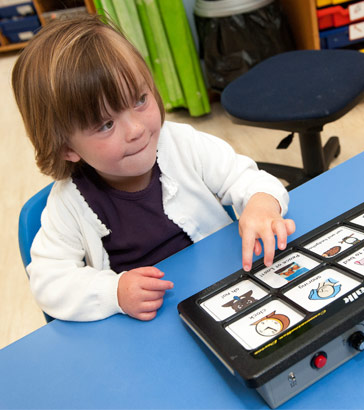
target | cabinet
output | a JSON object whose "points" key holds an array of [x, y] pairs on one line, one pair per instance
{"points": [[46, 10], [303, 19]]}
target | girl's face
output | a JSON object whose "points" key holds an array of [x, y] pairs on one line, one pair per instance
{"points": [[123, 148]]}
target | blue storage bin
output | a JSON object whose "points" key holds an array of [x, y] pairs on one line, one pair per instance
{"points": [[21, 29], [25, 8], [337, 38]]}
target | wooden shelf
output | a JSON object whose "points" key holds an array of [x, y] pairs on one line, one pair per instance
{"points": [[302, 17], [42, 6], [12, 47]]}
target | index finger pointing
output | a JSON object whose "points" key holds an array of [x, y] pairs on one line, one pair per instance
{"points": [[248, 248], [269, 247]]}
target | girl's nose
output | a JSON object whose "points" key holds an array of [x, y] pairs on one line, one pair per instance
{"points": [[134, 128]]}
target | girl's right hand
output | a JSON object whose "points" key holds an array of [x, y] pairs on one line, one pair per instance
{"points": [[141, 292]]}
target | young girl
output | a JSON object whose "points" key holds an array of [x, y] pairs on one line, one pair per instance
{"points": [[131, 188]]}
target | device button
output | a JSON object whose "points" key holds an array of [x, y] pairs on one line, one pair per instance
{"points": [[356, 341], [319, 360]]}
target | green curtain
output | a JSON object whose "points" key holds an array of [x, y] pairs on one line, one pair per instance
{"points": [[159, 29]]}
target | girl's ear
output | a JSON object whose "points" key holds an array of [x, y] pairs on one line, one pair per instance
{"points": [[70, 155]]}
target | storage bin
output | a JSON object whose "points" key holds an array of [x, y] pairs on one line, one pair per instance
{"points": [[337, 38], [335, 16], [21, 29], [18, 10]]}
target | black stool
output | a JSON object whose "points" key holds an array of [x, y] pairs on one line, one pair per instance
{"points": [[299, 91]]}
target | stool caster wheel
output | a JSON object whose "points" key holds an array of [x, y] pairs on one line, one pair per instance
{"points": [[331, 149], [337, 152]]}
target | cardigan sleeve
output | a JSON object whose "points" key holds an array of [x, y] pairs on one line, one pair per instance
{"points": [[232, 177], [64, 286]]}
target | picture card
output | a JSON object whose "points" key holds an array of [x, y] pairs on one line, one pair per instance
{"points": [[264, 324], [335, 242], [286, 269], [355, 261], [234, 299], [321, 289], [359, 220]]}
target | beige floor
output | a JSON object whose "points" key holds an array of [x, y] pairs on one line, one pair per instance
{"points": [[20, 179]]}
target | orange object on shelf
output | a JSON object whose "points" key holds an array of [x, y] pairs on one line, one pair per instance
{"points": [[323, 3]]}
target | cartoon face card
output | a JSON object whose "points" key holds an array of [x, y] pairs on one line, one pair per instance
{"points": [[233, 299], [321, 289], [264, 324], [335, 242], [355, 261], [286, 269], [359, 220]]}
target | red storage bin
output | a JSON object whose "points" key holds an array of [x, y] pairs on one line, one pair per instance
{"points": [[335, 16]]}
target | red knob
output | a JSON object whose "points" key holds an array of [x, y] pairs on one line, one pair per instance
{"points": [[319, 360]]}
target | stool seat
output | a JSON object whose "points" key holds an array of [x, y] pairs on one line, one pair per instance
{"points": [[299, 91]]}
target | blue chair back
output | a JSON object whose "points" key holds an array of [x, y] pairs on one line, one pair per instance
{"points": [[230, 210], [29, 222]]}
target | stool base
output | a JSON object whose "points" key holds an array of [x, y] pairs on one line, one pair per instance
{"points": [[315, 160]]}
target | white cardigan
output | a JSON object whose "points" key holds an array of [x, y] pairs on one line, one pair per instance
{"points": [[70, 273]]}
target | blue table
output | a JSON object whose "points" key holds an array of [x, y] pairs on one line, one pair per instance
{"points": [[124, 363]]}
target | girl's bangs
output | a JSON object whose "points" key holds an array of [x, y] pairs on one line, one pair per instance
{"points": [[105, 82]]}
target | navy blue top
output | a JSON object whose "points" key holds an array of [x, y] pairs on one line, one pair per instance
{"points": [[141, 233]]}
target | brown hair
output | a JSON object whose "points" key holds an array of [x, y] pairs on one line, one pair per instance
{"points": [[65, 79]]}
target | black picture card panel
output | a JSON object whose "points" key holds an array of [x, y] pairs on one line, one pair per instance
{"points": [[321, 289], [354, 261], [234, 299], [336, 241], [259, 322], [286, 268], [264, 323], [358, 219]]}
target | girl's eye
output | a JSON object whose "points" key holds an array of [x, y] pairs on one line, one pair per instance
{"points": [[107, 126], [142, 100]]}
